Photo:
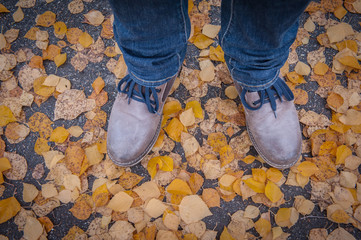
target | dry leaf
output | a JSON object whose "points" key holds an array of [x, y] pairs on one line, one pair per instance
{"points": [[46, 19], [286, 217], [338, 32], [154, 208], [302, 69], [59, 135], [101, 196], [202, 41], [273, 192], [263, 227], [193, 209], [211, 31], [128, 180], [33, 229], [18, 15], [178, 186], [94, 17], [76, 6], [18, 164], [81, 209], [29, 192], [60, 59], [211, 197], [9, 207]]}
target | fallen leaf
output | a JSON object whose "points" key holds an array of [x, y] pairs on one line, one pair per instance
{"points": [[81, 209], [94, 17], [202, 41], [76, 6], [18, 15], [211, 197], [29, 192], [178, 186], [59, 135], [101, 196], [193, 209], [174, 129], [9, 207], [46, 19], [6, 116], [154, 208], [273, 192], [33, 228], [263, 227], [307, 168], [286, 217], [128, 180]]}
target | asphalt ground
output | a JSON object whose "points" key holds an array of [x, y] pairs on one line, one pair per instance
{"points": [[62, 219]]}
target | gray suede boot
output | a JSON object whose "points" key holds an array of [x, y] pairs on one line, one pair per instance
{"points": [[135, 121], [272, 124]]}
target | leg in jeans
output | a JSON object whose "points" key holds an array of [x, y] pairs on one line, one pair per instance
{"points": [[256, 36], [152, 35]]}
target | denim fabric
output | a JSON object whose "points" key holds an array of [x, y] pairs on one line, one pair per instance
{"points": [[255, 36], [152, 35]]}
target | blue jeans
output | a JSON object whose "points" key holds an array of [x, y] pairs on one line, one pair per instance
{"points": [[255, 37]]}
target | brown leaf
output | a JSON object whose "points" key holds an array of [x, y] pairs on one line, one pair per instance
{"points": [[211, 197], [46, 19], [128, 180], [81, 209]]}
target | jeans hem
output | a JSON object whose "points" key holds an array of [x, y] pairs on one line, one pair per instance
{"points": [[257, 87]]}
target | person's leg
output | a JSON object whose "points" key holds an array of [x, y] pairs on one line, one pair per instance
{"points": [[256, 36], [152, 35]]}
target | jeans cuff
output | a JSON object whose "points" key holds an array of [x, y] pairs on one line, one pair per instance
{"points": [[256, 87], [150, 83]]}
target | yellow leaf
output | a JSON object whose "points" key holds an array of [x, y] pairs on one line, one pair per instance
{"points": [[196, 107], [171, 107], [4, 164], [226, 235], [274, 175], [249, 159], [178, 186], [1, 178], [335, 100], [340, 216], [273, 192], [3, 9], [128, 180], [101, 195], [307, 168], [226, 155], [59, 135], [195, 182], [216, 54], [60, 59], [350, 44], [98, 85], [295, 78], [286, 217], [41, 145], [190, 5], [258, 187], [302, 180], [6, 116], [42, 90], [226, 182], [60, 29], [46, 19], [189, 236], [320, 68], [81, 209], [259, 175], [85, 39], [340, 12], [217, 141], [202, 41], [174, 129], [154, 165], [342, 153], [167, 163], [350, 61], [9, 207], [328, 147], [263, 227], [73, 34]]}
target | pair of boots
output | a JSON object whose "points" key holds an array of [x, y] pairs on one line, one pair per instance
{"points": [[271, 117]]}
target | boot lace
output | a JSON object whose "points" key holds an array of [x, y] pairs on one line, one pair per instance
{"points": [[137, 92], [269, 95]]}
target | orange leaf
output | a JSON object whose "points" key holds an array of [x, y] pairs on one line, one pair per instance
{"points": [[46, 19]]}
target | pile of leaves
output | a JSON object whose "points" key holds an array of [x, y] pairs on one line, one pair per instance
{"points": [[203, 158]]}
